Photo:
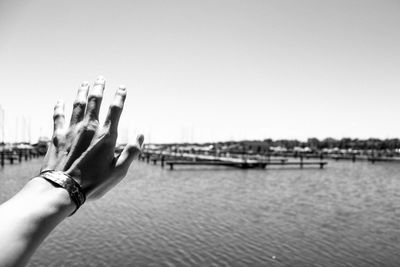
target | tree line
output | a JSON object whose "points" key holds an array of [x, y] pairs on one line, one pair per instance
{"points": [[343, 143], [313, 143]]}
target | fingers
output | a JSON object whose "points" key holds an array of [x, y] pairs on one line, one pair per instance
{"points": [[80, 103], [94, 99], [59, 116], [129, 153], [115, 110]]}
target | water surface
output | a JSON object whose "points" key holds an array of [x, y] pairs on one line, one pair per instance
{"points": [[345, 215]]}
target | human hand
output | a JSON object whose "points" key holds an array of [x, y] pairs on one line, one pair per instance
{"points": [[85, 149]]}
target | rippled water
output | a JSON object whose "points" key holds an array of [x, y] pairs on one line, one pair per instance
{"points": [[345, 215]]}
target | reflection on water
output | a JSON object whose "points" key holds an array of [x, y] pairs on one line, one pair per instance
{"points": [[346, 215]]}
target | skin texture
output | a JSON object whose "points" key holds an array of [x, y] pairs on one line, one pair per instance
{"points": [[85, 150]]}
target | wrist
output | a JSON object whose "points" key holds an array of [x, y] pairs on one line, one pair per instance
{"points": [[48, 198], [65, 181]]}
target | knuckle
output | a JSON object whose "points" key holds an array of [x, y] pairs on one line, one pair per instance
{"points": [[115, 109], [57, 138], [94, 97], [111, 131], [79, 105], [134, 149], [107, 130], [70, 135], [91, 126], [58, 133], [121, 93], [58, 115], [55, 141], [105, 134]]}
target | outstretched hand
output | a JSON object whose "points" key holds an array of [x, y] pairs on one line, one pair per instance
{"points": [[85, 149]]}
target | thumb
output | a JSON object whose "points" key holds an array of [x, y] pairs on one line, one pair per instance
{"points": [[128, 154]]}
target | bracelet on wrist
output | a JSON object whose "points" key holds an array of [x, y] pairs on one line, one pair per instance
{"points": [[64, 180]]}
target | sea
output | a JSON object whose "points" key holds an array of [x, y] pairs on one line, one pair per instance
{"points": [[347, 214]]}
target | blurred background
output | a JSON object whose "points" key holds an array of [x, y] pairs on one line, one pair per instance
{"points": [[271, 128], [206, 71]]}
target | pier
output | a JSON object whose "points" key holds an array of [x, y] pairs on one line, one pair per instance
{"points": [[173, 159], [17, 155], [246, 165]]}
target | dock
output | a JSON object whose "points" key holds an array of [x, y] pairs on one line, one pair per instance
{"points": [[173, 159], [16, 155], [246, 165]]}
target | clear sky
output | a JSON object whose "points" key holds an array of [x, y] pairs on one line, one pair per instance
{"points": [[208, 70]]}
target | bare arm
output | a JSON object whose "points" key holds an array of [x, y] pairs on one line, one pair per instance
{"points": [[83, 150], [28, 218]]}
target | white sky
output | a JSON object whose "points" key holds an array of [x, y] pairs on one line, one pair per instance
{"points": [[208, 70]]}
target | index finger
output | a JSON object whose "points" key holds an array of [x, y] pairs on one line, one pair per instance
{"points": [[58, 116]]}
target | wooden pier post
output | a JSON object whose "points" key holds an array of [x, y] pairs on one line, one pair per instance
{"points": [[373, 157], [301, 161], [162, 161]]}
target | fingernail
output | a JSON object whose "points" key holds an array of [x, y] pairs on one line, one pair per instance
{"points": [[100, 80], [59, 107], [85, 84]]}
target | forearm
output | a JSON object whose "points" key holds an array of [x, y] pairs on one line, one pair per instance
{"points": [[27, 219], [82, 147]]}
